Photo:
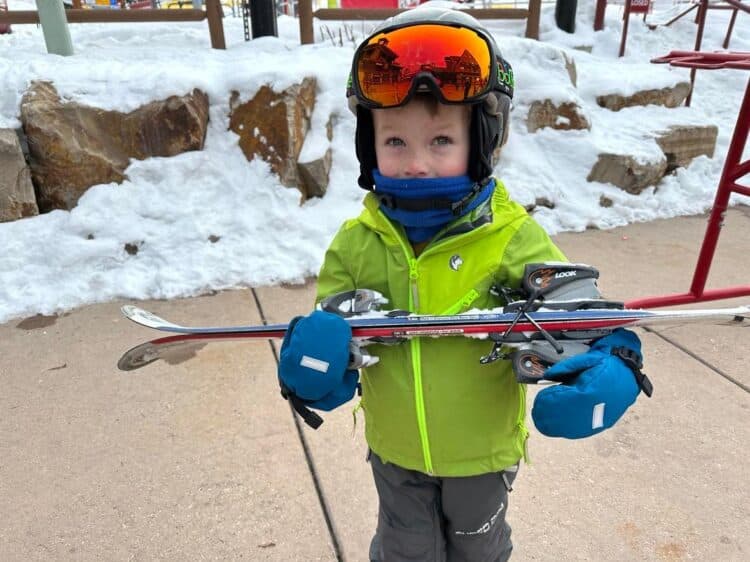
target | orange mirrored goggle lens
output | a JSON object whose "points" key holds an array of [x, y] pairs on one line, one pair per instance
{"points": [[457, 59]]}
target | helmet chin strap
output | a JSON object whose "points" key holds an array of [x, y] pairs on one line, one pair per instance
{"points": [[456, 208]]}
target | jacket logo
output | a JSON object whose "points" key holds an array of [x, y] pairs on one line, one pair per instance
{"points": [[456, 262]]}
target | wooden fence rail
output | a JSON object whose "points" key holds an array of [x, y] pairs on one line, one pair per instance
{"points": [[531, 15], [213, 14]]}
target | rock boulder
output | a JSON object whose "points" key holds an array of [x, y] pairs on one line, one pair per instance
{"points": [[628, 173], [669, 97], [273, 125], [17, 199], [682, 143], [73, 146]]}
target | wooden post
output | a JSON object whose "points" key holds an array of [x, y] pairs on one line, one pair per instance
{"points": [[306, 33], [4, 27], [215, 14], [601, 8], [532, 22]]}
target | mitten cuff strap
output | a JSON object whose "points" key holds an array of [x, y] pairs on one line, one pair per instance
{"points": [[311, 418], [634, 362]]}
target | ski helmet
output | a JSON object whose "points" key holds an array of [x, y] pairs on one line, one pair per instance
{"points": [[490, 103]]}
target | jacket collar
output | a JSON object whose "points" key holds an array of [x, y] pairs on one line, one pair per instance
{"points": [[489, 212]]}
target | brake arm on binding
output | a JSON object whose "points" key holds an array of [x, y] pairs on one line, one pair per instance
{"points": [[531, 360], [359, 358], [497, 353]]}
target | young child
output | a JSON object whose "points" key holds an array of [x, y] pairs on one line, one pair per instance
{"points": [[431, 93]]}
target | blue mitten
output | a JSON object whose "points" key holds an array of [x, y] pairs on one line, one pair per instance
{"points": [[597, 388], [313, 362]]}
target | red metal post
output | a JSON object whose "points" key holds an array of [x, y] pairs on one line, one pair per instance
{"points": [[700, 18], [601, 8], [727, 184], [734, 169], [730, 28], [625, 23]]}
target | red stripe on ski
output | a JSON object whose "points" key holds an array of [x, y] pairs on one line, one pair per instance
{"points": [[425, 330]]}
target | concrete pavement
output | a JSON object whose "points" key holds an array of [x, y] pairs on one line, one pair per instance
{"points": [[201, 458]]}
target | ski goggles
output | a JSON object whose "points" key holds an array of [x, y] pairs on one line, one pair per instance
{"points": [[455, 63]]}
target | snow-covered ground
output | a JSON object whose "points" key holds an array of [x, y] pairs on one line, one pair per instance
{"points": [[173, 208]]}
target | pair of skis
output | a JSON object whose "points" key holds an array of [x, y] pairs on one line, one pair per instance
{"points": [[537, 335]]}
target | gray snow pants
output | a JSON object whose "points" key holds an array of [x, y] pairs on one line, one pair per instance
{"points": [[424, 518]]}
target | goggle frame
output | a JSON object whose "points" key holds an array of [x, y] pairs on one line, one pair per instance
{"points": [[426, 78]]}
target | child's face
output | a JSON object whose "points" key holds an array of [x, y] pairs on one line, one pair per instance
{"points": [[414, 141]]}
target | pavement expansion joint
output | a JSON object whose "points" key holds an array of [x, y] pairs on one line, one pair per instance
{"points": [[325, 509]]}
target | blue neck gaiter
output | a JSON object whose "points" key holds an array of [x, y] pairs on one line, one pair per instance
{"points": [[423, 224]]}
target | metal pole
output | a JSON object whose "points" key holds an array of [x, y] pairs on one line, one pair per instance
{"points": [[55, 27], [626, 18], [729, 176], [701, 19], [263, 18], [729, 29], [565, 15]]}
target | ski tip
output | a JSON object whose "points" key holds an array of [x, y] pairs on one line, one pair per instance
{"points": [[133, 312], [146, 318], [128, 309]]}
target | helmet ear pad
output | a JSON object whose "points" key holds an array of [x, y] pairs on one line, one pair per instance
{"points": [[364, 145], [488, 131]]}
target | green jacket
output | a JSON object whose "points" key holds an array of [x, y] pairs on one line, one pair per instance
{"points": [[429, 404]]}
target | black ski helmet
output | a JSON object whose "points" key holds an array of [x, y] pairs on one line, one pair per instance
{"points": [[489, 116]]}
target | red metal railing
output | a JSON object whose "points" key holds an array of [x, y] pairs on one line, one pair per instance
{"points": [[734, 170]]}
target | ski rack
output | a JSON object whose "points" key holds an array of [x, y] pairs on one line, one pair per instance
{"points": [[734, 169]]}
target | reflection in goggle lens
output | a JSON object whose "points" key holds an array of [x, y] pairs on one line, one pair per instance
{"points": [[457, 60]]}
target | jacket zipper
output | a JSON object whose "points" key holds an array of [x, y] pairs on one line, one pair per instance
{"points": [[462, 305], [416, 364], [416, 349]]}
